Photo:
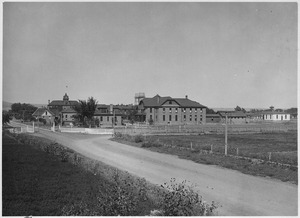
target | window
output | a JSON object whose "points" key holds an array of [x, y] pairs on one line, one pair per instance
{"points": [[101, 118], [183, 109], [170, 110], [164, 109], [190, 117], [196, 109], [184, 117], [195, 117], [276, 116], [191, 110], [164, 117], [176, 118], [46, 112], [170, 102], [66, 115], [176, 110], [150, 110], [107, 119], [150, 117], [170, 117], [285, 116]]}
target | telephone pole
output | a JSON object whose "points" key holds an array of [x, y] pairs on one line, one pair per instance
{"points": [[226, 135]]}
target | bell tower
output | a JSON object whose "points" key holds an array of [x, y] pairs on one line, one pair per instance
{"points": [[66, 97]]}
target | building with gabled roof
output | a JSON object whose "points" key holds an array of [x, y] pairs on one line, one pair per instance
{"points": [[168, 110], [62, 104], [233, 117], [44, 113], [63, 109]]}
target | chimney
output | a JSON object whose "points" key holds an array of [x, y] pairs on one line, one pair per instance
{"points": [[158, 98], [48, 101], [111, 109], [186, 97]]}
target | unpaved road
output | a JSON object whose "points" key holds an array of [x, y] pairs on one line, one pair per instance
{"points": [[239, 194]]}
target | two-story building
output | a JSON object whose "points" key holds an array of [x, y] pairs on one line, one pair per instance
{"points": [[63, 109], [108, 115], [168, 110]]}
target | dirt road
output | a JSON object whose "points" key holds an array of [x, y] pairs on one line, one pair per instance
{"points": [[239, 194]]}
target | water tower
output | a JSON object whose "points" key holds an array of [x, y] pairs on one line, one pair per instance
{"points": [[138, 97]]}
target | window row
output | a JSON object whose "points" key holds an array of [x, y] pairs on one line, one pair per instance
{"points": [[176, 118], [176, 110]]}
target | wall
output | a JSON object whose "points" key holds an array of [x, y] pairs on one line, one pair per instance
{"points": [[183, 116]]}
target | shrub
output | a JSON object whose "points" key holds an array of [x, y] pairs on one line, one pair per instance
{"points": [[118, 135], [182, 200], [138, 138]]}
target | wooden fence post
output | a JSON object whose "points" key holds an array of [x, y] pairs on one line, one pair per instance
{"points": [[211, 148], [226, 135], [191, 145], [270, 155], [237, 151]]}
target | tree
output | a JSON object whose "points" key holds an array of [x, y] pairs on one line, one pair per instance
{"points": [[238, 108], [5, 118], [132, 115], [86, 110], [292, 110], [23, 111], [272, 108]]}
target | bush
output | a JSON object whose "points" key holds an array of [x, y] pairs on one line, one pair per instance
{"points": [[182, 200], [138, 138]]}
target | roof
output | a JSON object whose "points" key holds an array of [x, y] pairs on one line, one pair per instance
{"points": [[68, 110], [233, 114], [212, 115], [63, 103], [158, 101], [272, 112], [100, 113], [41, 111]]}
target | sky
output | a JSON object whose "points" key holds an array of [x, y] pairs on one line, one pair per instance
{"points": [[219, 54]]}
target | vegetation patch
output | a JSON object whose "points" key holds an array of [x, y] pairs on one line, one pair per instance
{"points": [[43, 178], [209, 149]]}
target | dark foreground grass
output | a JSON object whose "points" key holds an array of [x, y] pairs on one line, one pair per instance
{"points": [[246, 166], [38, 184]]}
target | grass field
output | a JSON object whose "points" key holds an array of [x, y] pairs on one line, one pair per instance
{"points": [[282, 145], [257, 145], [39, 184]]}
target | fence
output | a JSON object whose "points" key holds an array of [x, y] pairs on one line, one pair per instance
{"points": [[101, 131], [207, 128]]}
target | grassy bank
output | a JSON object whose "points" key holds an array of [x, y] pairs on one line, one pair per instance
{"points": [[39, 184], [250, 145], [42, 178]]}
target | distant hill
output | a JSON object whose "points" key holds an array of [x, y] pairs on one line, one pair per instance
{"points": [[6, 105]]}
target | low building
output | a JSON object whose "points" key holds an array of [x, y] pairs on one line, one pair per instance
{"points": [[108, 116], [233, 117], [213, 118], [168, 110], [268, 116]]}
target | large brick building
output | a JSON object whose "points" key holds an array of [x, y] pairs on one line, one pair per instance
{"points": [[168, 110]]}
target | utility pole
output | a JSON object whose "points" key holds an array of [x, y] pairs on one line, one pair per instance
{"points": [[226, 135]]}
